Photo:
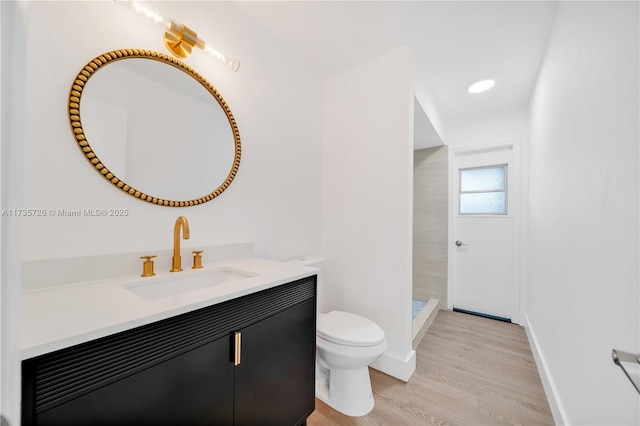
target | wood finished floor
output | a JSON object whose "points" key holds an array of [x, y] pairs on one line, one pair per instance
{"points": [[469, 371]]}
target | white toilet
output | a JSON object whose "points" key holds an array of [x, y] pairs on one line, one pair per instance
{"points": [[346, 344]]}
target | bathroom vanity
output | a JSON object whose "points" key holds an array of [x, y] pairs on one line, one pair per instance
{"points": [[241, 352]]}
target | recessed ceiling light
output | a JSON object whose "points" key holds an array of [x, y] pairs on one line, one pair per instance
{"points": [[481, 86]]}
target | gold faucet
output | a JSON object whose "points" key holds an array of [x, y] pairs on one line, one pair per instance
{"points": [[176, 260]]}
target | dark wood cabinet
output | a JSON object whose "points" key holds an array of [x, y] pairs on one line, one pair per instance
{"points": [[193, 388], [272, 379], [183, 370]]}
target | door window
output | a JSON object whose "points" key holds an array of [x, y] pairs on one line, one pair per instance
{"points": [[483, 190]]}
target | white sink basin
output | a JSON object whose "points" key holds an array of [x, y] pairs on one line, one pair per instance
{"points": [[184, 282]]}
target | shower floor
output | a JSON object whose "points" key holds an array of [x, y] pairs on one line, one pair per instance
{"points": [[417, 307]]}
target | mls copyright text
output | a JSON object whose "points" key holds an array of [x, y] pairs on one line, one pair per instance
{"points": [[64, 212]]}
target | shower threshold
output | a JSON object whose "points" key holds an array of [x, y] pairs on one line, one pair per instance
{"points": [[423, 320]]}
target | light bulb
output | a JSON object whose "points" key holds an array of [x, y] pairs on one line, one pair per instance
{"points": [[146, 12], [234, 64]]}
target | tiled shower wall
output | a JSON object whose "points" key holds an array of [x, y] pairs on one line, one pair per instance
{"points": [[430, 224]]}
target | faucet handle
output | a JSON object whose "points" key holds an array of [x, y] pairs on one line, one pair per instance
{"points": [[197, 259], [147, 266]]}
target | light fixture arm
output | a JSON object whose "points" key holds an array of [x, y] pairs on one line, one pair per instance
{"points": [[179, 39]]}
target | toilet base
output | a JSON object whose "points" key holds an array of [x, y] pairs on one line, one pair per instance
{"points": [[347, 391]]}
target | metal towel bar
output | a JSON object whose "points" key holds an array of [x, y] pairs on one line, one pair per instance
{"points": [[619, 357]]}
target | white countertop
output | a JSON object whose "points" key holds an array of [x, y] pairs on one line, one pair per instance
{"points": [[59, 317]]}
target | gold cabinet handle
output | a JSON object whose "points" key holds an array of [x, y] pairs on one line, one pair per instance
{"points": [[238, 348]]}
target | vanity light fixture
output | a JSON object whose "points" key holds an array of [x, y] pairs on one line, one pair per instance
{"points": [[481, 86], [178, 38]]}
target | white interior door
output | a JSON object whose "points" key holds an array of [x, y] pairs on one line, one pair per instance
{"points": [[484, 251]]}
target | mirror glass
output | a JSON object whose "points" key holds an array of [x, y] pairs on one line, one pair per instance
{"points": [[161, 130]]}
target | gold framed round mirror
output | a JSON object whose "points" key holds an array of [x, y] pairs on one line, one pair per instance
{"points": [[154, 128]]}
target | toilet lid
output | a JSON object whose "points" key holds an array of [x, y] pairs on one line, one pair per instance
{"points": [[349, 329]]}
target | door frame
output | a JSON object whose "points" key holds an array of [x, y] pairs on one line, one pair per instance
{"points": [[515, 210]]}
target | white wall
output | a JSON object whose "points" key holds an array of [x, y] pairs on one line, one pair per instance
{"points": [[489, 128], [11, 156], [428, 123], [367, 200], [583, 265], [274, 200]]}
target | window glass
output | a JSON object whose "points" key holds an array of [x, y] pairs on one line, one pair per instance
{"points": [[483, 190], [483, 203], [484, 179]]}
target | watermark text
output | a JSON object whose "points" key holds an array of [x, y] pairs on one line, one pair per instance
{"points": [[84, 212]]}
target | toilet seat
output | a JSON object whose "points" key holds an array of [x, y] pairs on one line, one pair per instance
{"points": [[345, 328]]}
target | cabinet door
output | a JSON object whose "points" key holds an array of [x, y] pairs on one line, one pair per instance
{"points": [[275, 380], [195, 388]]}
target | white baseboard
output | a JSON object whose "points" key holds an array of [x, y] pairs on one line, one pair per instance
{"points": [[399, 368], [550, 389], [518, 318]]}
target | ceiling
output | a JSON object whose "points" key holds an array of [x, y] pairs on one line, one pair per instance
{"points": [[455, 42]]}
